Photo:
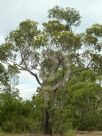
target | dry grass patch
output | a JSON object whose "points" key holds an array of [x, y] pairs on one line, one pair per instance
{"points": [[92, 133]]}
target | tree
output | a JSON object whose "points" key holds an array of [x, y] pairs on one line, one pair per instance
{"points": [[52, 55], [3, 78], [16, 115], [85, 96]]}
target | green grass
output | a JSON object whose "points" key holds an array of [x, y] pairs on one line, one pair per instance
{"points": [[5, 134], [11, 134]]}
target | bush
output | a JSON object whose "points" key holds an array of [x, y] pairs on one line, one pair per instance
{"points": [[8, 126], [70, 133]]}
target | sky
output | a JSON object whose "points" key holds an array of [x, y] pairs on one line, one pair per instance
{"points": [[12, 12]]}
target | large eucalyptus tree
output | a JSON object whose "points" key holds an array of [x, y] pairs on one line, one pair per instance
{"points": [[51, 54]]}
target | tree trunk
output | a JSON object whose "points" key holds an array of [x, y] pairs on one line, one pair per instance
{"points": [[47, 129], [46, 123]]}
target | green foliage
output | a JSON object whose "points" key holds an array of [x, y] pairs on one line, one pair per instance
{"points": [[8, 126], [70, 133], [53, 27], [70, 15], [19, 116]]}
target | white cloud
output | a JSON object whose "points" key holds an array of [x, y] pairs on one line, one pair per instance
{"points": [[26, 91], [26, 78], [1, 39], [27, 85]]}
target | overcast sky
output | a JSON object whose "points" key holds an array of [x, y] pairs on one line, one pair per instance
{"points": [[14, 11]]}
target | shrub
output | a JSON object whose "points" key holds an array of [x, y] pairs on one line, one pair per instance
{"points": [[8, 126]]}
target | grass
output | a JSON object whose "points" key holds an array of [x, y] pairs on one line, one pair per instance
{"points": [[93, 133], [11, 134], [88, 135]]}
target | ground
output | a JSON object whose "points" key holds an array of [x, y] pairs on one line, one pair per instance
{"points": [[93, 133], [86, 133]]}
